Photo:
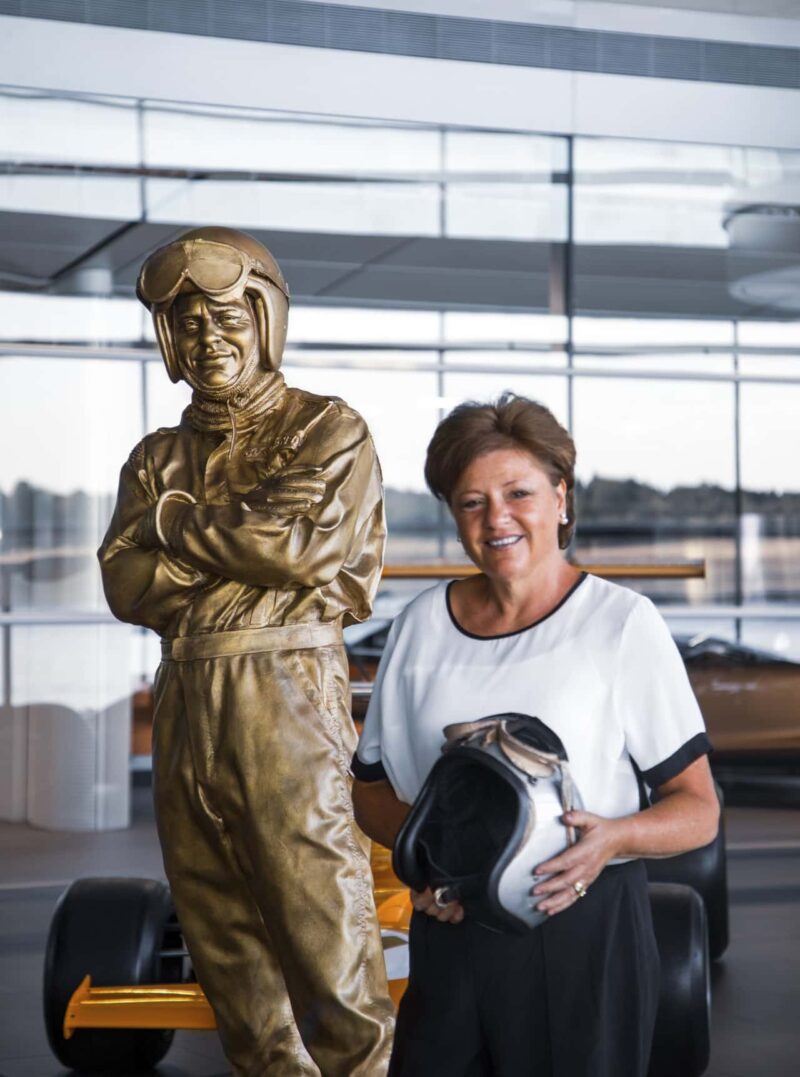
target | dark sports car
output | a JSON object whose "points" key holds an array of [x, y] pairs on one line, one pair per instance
{"points": [[750, 699]]}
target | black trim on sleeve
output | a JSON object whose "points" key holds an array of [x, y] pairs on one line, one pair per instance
{"points": [[678, 761], [644, 797], [367, 772]]}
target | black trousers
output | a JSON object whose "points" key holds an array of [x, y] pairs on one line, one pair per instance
{"points": [[575, 997]]}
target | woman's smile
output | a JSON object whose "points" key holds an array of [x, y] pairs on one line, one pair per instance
{"points": [[501, 543]]}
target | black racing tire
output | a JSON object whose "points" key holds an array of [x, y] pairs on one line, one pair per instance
{"points": [[681, 1041], [706, 871], [113, 930]]}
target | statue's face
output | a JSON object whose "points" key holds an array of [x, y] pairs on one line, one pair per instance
{"points": [[213, 340]]}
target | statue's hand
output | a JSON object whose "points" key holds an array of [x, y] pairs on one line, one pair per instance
{"points": [[145, 533], [153, 528], [289, 492]]}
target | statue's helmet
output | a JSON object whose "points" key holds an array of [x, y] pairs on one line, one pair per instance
{"points": [[223, 264]]}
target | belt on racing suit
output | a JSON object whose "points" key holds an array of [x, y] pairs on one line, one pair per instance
{"points": [[297, 637]]}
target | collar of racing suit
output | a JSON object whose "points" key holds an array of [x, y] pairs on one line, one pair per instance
{"points": [[240, 410]]}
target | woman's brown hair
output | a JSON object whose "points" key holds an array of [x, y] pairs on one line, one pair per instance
{"points": [[512, 422]]}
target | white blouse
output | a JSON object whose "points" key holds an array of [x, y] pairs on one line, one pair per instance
{"points": [[601, 670]]}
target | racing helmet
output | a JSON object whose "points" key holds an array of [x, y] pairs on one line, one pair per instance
{"points": [[490, 810], [223, 263]]}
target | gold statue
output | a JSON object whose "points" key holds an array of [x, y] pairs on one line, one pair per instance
{"points": [[246, 537]]}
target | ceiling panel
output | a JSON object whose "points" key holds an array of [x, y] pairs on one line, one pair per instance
{"points": [[432, 287], [644, 296], [670, 263], [415, 271], [481, 254], [39, 245]]}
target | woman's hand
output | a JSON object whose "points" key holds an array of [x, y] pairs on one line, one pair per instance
{"points": [[573, 871], [424, 901], [685, 816]]}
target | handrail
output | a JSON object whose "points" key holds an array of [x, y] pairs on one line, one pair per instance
{"points": [[610, 570], [789, 611]]}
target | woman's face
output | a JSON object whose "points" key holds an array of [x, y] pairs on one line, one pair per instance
{"points": [[507, 512]]}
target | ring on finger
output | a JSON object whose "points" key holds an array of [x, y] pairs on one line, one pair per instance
{"points": [[439, 897], [580, 888]]}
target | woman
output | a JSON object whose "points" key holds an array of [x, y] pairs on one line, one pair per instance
{"points": [[577, 996]]}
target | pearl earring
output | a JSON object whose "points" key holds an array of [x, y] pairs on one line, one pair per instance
{"points": [[564, 518]]}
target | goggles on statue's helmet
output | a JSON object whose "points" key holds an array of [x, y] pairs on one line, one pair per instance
{"points": [[218, 269], [489, 812]]}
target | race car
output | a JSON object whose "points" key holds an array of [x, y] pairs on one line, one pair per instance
{"points": [[118, 981]]}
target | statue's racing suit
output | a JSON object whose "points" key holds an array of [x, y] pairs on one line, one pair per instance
{"points": [[252, 732]]}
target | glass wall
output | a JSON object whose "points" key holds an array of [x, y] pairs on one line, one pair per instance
{"points": [[672, 243], [607, 278]]}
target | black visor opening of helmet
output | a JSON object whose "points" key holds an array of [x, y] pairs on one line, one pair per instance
{"points": [[468, 820], [474, 812]]}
